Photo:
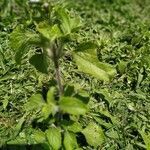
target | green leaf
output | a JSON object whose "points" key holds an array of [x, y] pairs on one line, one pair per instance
{"points": [[17, 141], [46, 111], [72, 106], [49, 32], [102, 122], [50, 95], [89, 47], [54, 137], [19, 125], [70, 141], [40, 62], [35, 102], [113, 134], [94, 134], [122, 65], [65, 20], [91, 65], [68, 24], [39, 136], [22, 40], [8, 77], [146, 139], [71, 126], [5, 103]]}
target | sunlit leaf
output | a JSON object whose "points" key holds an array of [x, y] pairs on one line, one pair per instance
{"points": [[70, 141], [68, 24], [39, 136], [54, 137], [91, 65], [48, 31], [35, 102], [146, 139], [94, 134], [72, 106], [50, 95]]}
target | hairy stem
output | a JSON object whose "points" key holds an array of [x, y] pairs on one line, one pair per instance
{"points": [[58, 75]]}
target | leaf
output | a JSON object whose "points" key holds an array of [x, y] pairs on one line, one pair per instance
{"points": [[17, 141], [122, 65], [146, 60], [113, 134], [8, 77], [72, 106], [39, 136], [70, 141], [89, 47], [102, 122], [46, 111], [68, 24], [65, 20], [40, 62], [54, 137], [91, 65], [72, 126], [50, 107], [22, 40], [19, 125], [94, 134], [5, 103], [49, 32], [146, 139], [35, 102], [50, 95], [106, 113]]}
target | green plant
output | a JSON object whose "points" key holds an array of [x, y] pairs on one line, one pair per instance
{"points": [[61, 113], [117, 114]]}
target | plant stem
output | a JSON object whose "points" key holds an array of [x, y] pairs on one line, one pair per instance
{"points": [[58, 76]]}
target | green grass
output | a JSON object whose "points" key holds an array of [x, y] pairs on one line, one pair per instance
{"points": [[121, 108]]}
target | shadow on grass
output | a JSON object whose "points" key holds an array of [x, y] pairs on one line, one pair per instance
{"points": [[25, 147]]}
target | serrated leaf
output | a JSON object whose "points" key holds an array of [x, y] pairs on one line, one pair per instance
{"points": [[49, 32], [65, 20], [35, 102], [88, 64], [22, 40], [72, 106], [72, 126], [50, 95], [46, 111], [68, 24], [40, 62], [94, 134], [89, 47], [54, 137], [70, 141], [39, 136]]}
